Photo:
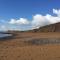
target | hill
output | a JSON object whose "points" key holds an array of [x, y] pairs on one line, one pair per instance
{"points": [[49, 28]]}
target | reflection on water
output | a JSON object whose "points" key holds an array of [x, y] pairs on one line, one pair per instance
{"points": [[44, 41], [5, 35]]}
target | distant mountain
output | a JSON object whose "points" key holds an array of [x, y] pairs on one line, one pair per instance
{"points": [[49, 28]]}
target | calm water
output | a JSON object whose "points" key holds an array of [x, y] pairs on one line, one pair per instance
{"points": [[5, 35]]}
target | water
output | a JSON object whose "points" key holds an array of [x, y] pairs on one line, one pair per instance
{"points": [[5, 35]]}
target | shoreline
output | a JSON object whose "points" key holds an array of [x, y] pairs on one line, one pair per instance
{"points": [[9, 36]]}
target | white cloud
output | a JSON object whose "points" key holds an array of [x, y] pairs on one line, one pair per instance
{"points": [[12, 21], [37, 21], [52, 19], [3, 28], [21, 21], [40, 20], [6, 28], [56, 11]]}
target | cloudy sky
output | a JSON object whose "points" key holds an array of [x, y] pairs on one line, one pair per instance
{"points": [[28, 14]]}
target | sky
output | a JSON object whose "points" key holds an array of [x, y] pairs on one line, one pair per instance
{"points": [[28, 14]]}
